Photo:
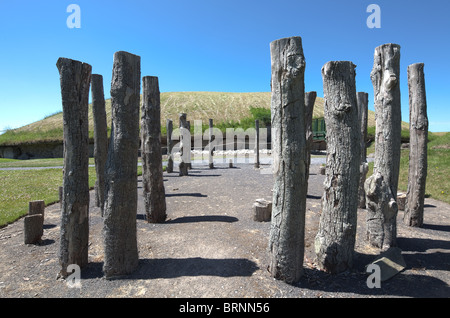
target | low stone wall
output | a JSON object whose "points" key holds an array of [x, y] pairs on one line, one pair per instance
{"points": [[36, 151]]}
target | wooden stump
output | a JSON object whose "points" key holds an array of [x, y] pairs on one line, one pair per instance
{"points": [[381, 187], [100, 137], [33, 228], [119, 229], [418, 160], [152, 176], [36, 207], [75, 78], [287, 232], [262, 210], [335, 240]]}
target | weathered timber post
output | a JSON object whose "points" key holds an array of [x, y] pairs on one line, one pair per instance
{"points": [[188, 143], [211, 148], [169, 126], [119, 229], [256, 165], [418, 160], [310, 99], [381, 187], [100, 137], [362, 100], [75, 78], [184, 151], [335, 240], [34, 222], [152, 176], [287, 231]]}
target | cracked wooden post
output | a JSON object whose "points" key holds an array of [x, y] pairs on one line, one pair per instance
{"points": [[418, 161], [287, 231], [381, 187], [169, 128], [335, 240], [75, 78], [119, 227], [152, 172], [310, 99], [188, 143], [100, 137], [362, 100], [184, 135], [211, 148], [256, 164]]}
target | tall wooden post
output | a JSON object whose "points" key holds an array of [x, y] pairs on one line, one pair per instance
{"points": [[152, 176], [256, 165], [211, 148], [100, 137], [184, 151], [119, 229], [75, 78], [381, 187], [287, 231], [418, 157], [169, 128], [362, 100], [335, 240], [310, 99]]}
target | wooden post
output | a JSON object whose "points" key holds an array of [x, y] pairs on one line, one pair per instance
{"points": [[36, 207], [381, 187], [188, 143], [257, 144], [152, 176], [418, 160], [211, 148], [287, 232], [169, 167], [310, 99], [362, 100], [75, 78], [183, 167], [119, 229], [335, 240], [100, 137]]}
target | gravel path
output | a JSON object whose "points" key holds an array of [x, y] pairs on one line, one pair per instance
{"points": [[211, 247]]}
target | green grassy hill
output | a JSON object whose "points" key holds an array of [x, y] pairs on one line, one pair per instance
{"points": [[223, 108]]}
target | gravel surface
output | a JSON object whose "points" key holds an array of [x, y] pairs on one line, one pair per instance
{"points": [[211, 247]]}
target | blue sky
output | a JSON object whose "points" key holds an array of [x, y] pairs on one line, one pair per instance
{"points": [[214, 45]]}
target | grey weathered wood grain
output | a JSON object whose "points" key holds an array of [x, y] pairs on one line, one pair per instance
{"points": [[286, 242], [119, 228], [362, 100], [418, 156], [381, 187], [75, 79], [152, 172], [335, 239], [100, 137]]}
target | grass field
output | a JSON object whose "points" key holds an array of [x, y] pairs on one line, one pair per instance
{"points": [[438, 183], [22, 186], [226, 110]]}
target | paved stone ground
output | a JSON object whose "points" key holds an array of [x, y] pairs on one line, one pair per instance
{"points": [[211, 247]]}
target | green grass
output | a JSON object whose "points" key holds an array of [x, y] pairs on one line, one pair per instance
{"points": [[49, 162], [438, 183], [19, 187]]}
